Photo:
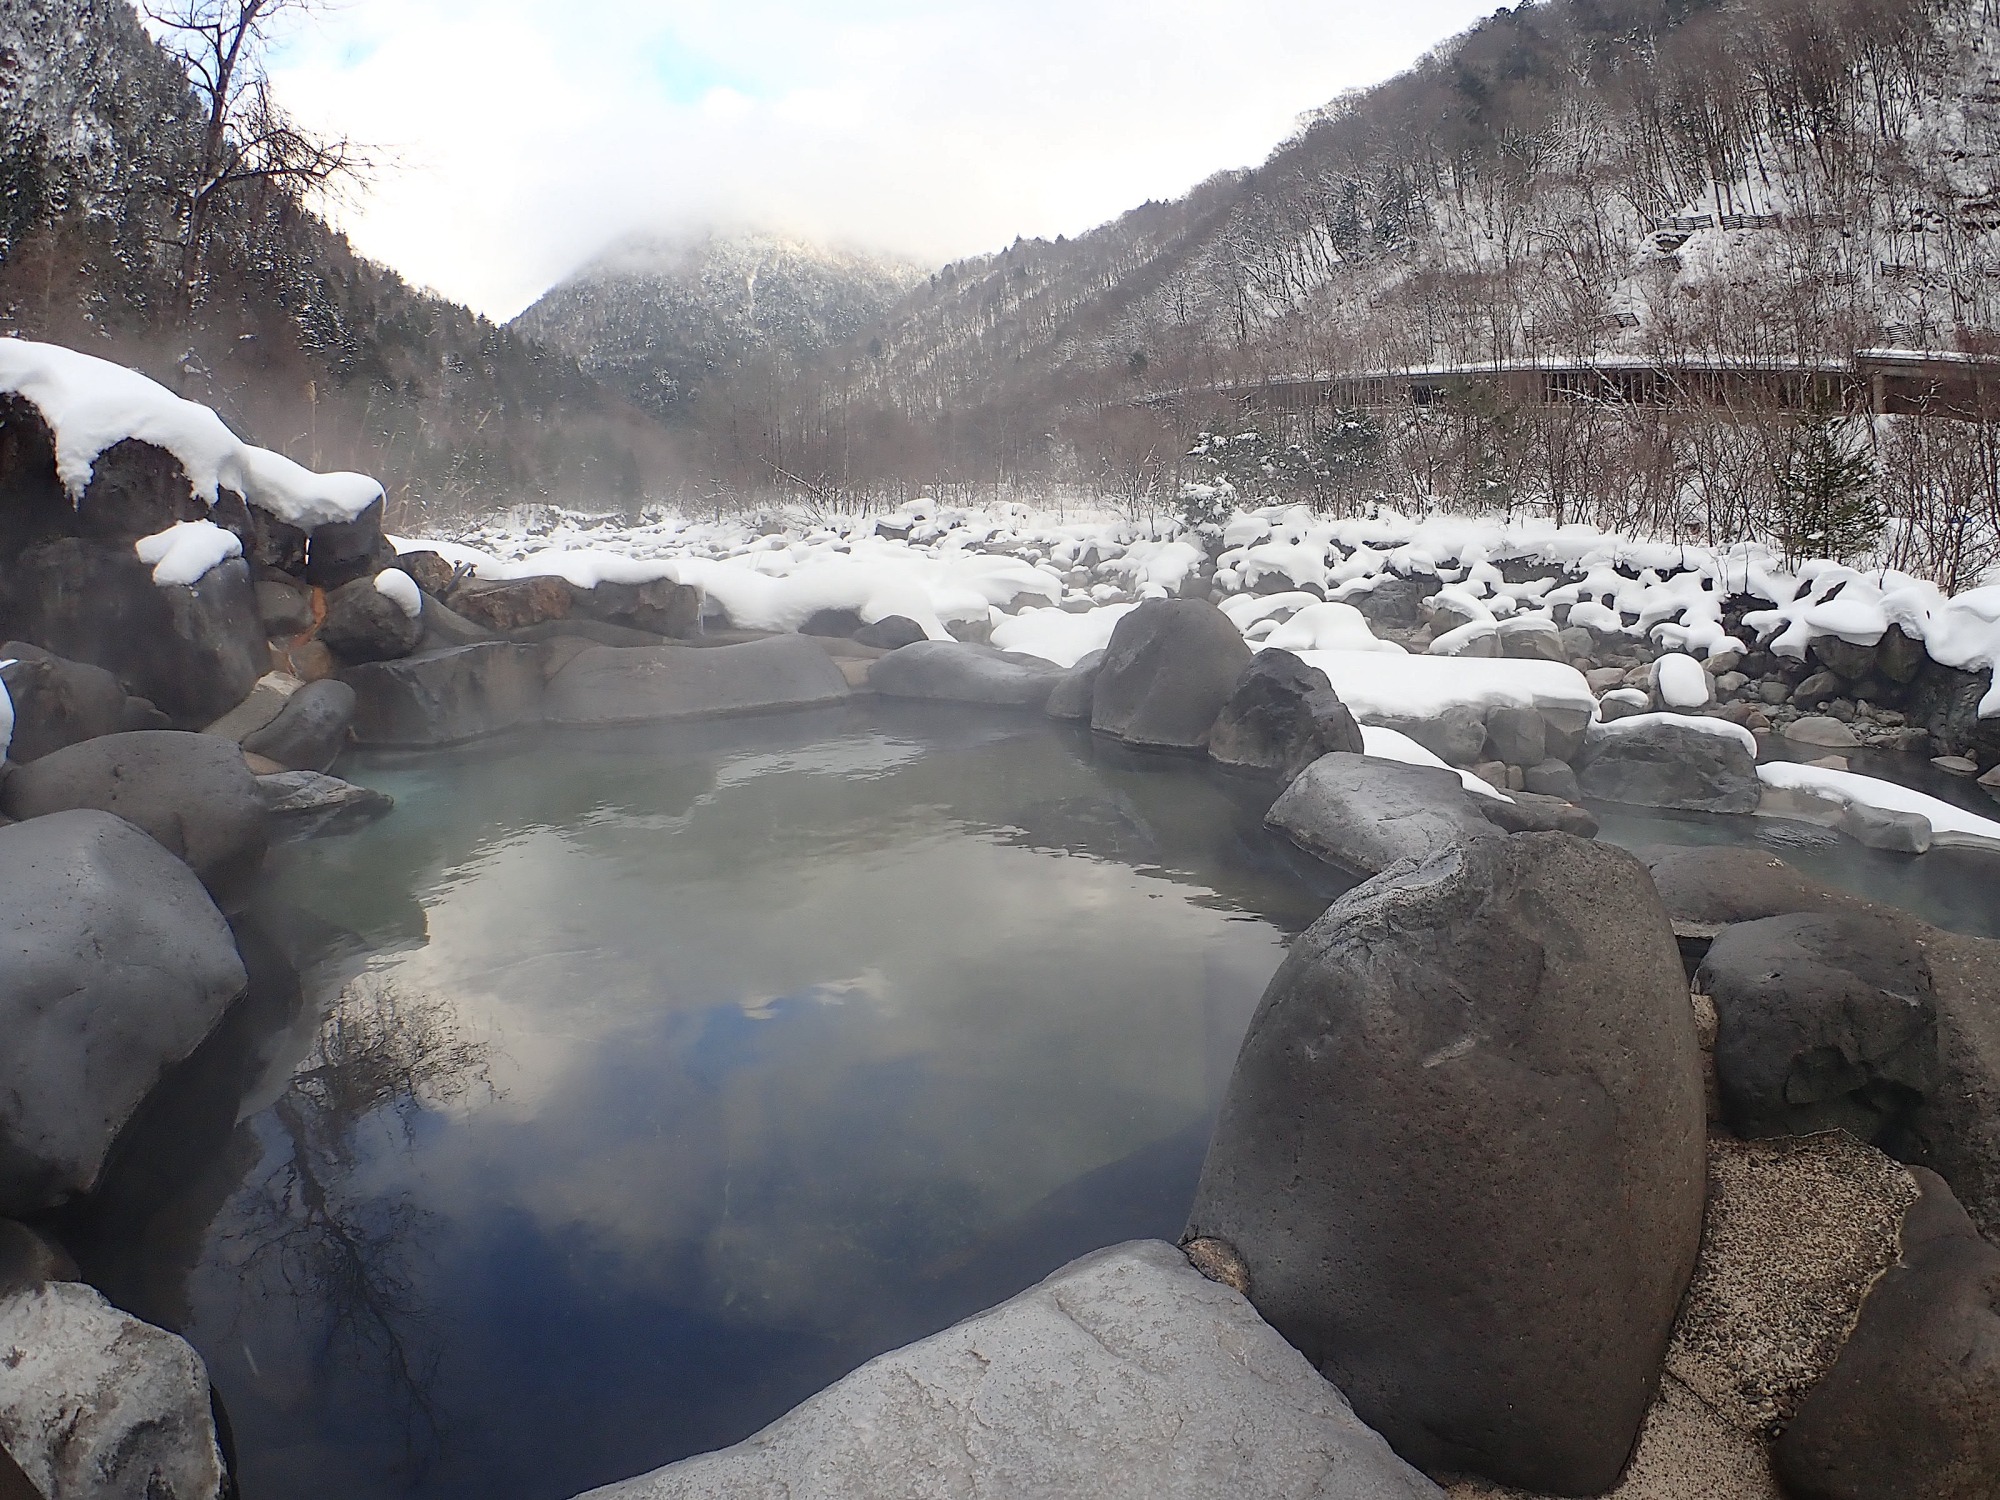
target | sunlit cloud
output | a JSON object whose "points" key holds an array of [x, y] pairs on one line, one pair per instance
{"points": [[519, 138]]}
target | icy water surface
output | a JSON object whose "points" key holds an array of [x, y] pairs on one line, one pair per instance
{"points": [[673, 1074]]}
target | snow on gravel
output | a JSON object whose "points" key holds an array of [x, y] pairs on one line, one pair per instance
{"points": [[1287, 578]]}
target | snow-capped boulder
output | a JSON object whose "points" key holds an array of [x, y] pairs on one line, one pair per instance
{"points": [[1282, 716], [446, 697], [191, 792], [117, 965], [366, 623], [1825, 1021], [1672, 760], [1124, 1373], [96, 1405], [1170, 668], [1912, 1405], [194, 650], [948, 672], [624, 685], [342, 551], [1468, 1118], [58, 702], [1363, 814], [310, 731]]}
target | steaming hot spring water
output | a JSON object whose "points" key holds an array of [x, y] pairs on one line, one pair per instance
{"points": [[639, 1084]]}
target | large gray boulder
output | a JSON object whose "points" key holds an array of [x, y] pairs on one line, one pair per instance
{"points": [[1958, 1125], [116, 966], [446, 697], [310, 731], [191, 792], [1364, 814], [1824, 1022], [96, 1405], [1461, 1156], [949, 672], [195, 651], [1070, 702], [1169, 670], [1707, 887], [627, 685], [1281, 717], [1670, 760], [1911, 1409], [1123, 1374]]}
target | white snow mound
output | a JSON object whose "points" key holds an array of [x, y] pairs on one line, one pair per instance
{"points": [[185, 552]]}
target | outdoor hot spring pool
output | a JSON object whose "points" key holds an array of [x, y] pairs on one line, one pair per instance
{"points": [[640, 1084]]}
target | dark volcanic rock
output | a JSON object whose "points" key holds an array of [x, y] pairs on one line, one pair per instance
{"points": [[1364, 814], [446, 697], [285, 609], [432, 573], [135, 490], [1282, 716], [191, 792], [1825, 1021], [840, 624], [949, 672], [890, 633], [1945, 701], [1911, 1409], [1900, 656], [194, 651], [1462, 1156], [1170, 668], [116, 966], [364, 624], [342, 551], [613, 685], [1958, 1126], [1663, 762], [310, 731], [1843, 658], [57, 702]]}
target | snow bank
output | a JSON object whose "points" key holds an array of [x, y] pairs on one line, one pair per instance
{"points": [[401, 588], [1327, 627], [1057, 635], [1377, 685], [91, 404], [186, 551], [1388, 744], [1846, 788]]}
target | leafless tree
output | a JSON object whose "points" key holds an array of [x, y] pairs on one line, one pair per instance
{"points": [[248, 140]]}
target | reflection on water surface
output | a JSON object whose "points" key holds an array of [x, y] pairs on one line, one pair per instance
{"points": [[674, 1073]]}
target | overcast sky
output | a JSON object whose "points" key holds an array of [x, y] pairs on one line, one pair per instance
{"points": [[523, 136]]}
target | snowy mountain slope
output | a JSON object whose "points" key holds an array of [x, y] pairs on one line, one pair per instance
{"points": [[657, 315]]}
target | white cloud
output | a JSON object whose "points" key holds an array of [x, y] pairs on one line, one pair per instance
{"points": [[524, 136]]}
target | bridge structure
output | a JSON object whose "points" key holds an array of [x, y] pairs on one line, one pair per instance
{"points": [[1892, 382]]}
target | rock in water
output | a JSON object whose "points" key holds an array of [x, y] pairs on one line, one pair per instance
{"points": [[948, 672], [192, 792], [116, 966], [447, 697], [1825, 1022], [1364, 814], [1911, 1409], [1282, 716], [95, 1405], [1126, 1373], [1462, 1156], [1666, 760], [1170, 668]]}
